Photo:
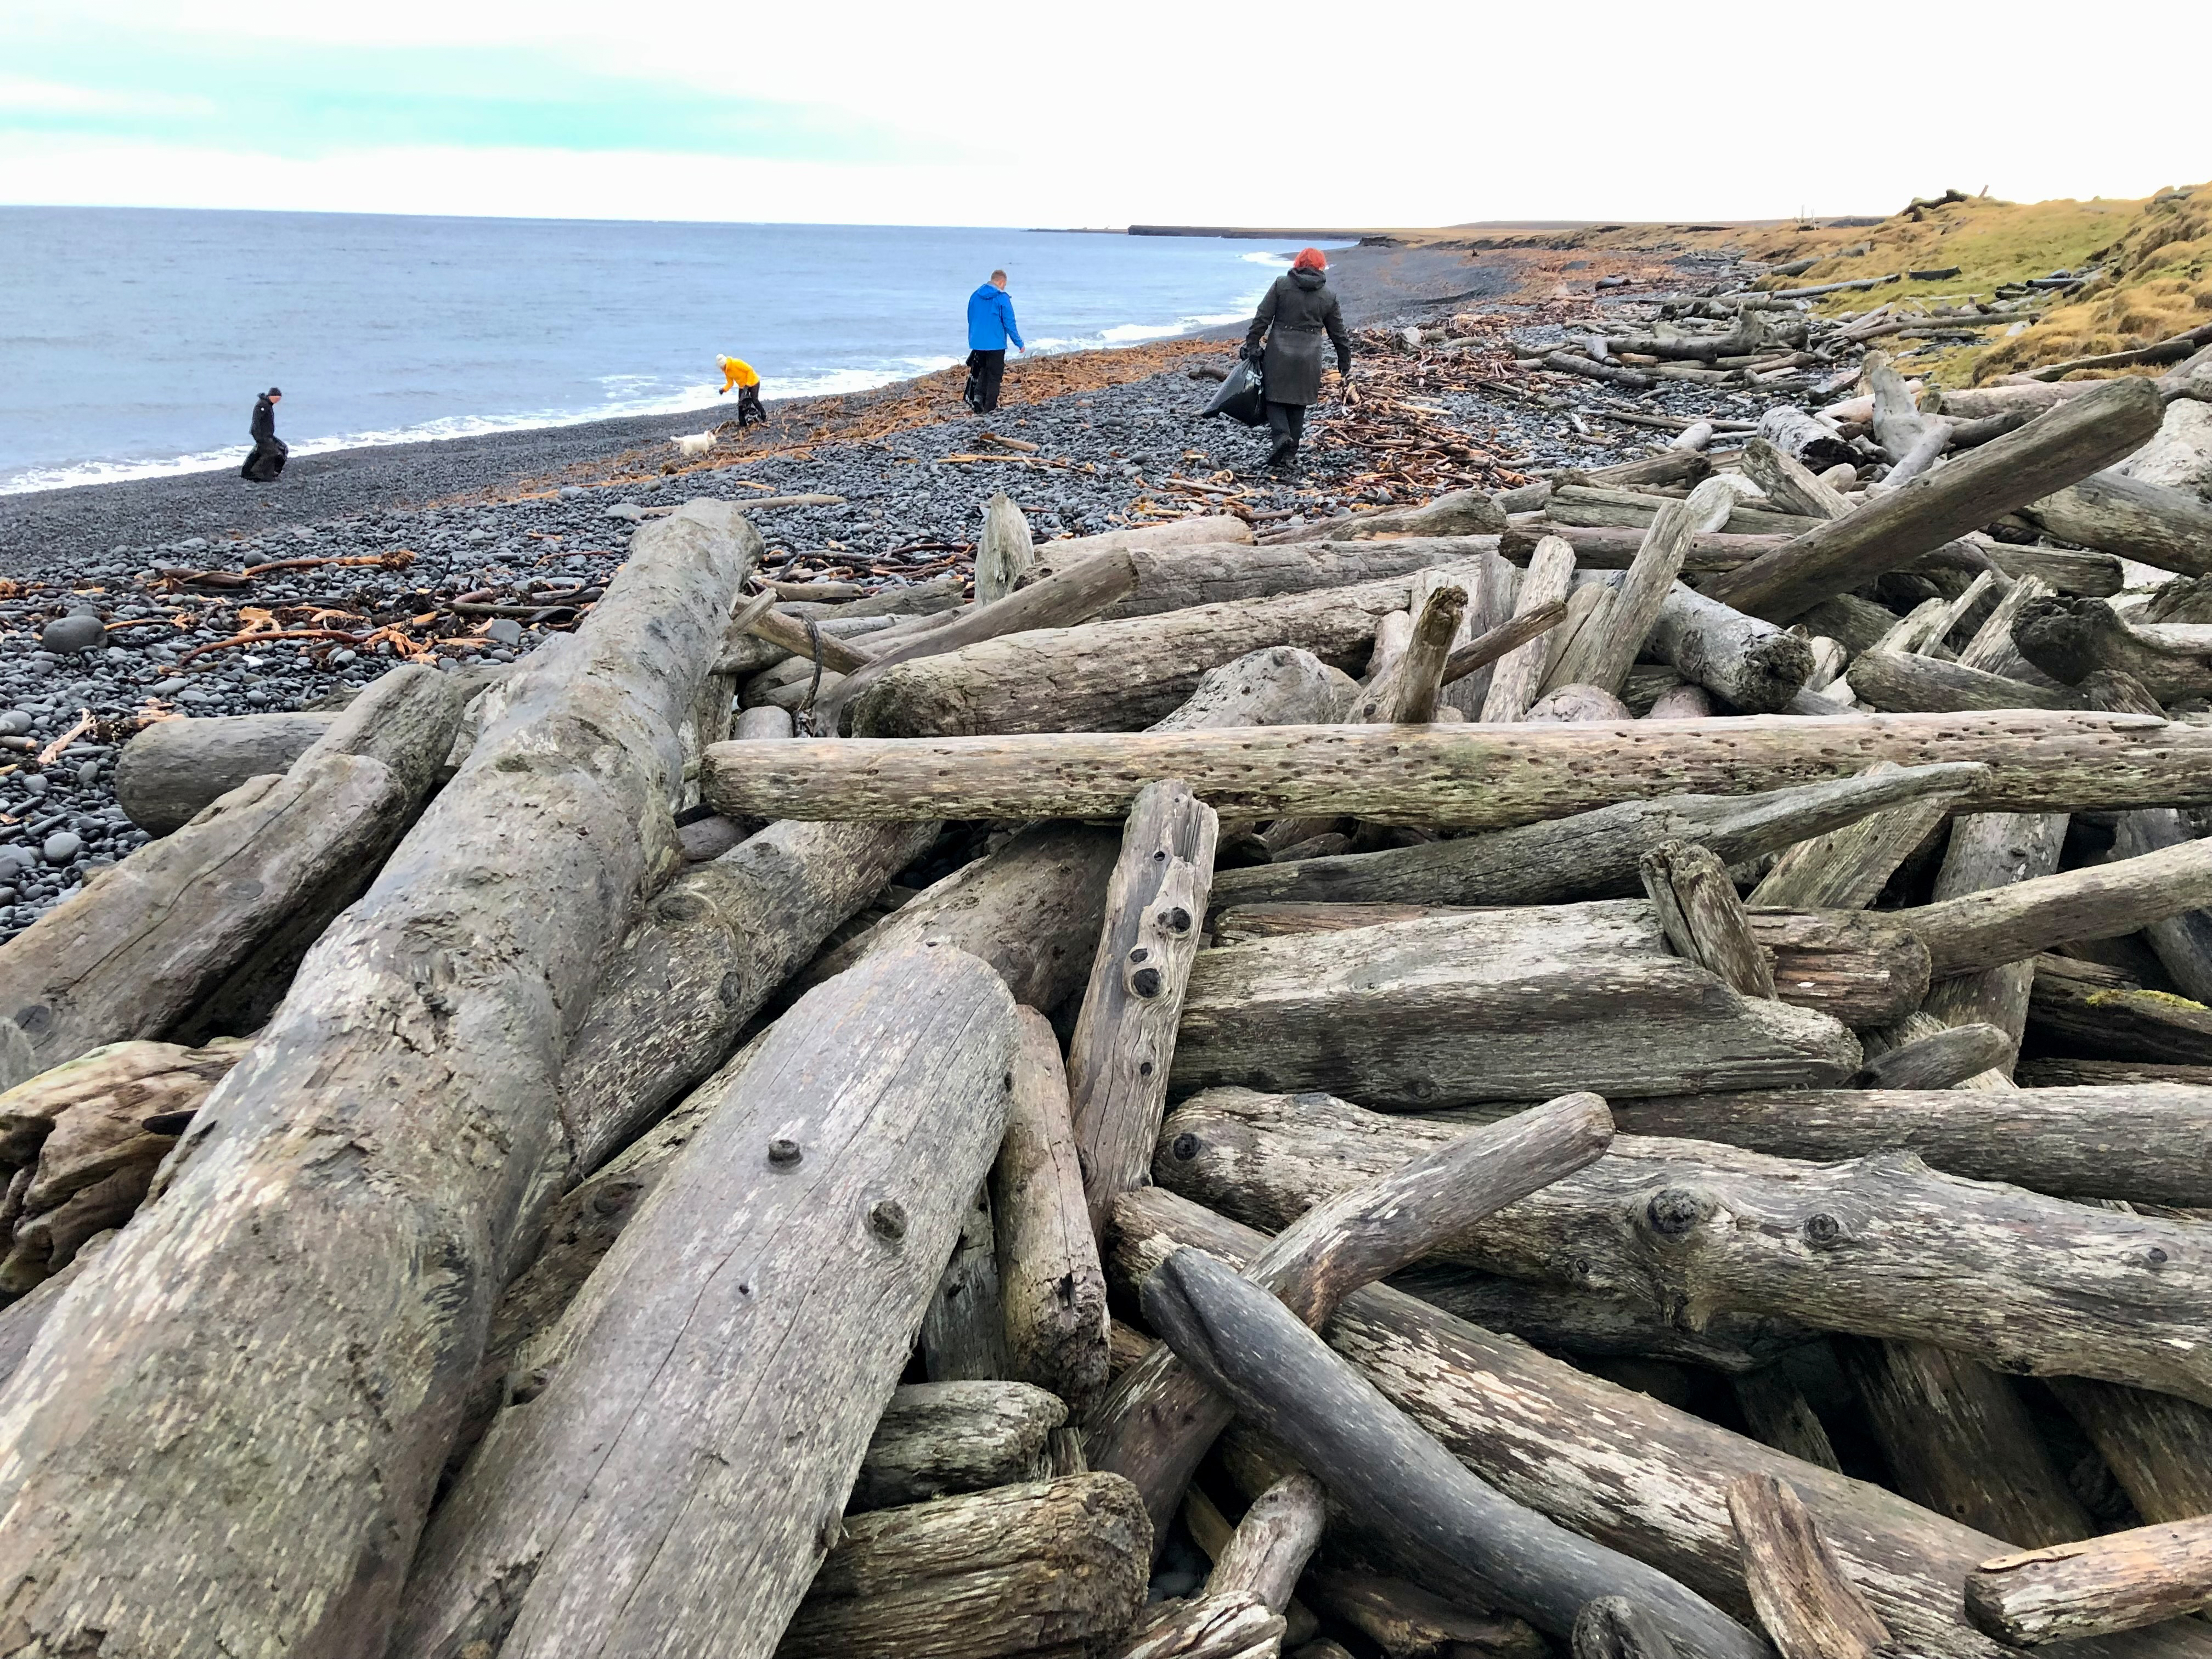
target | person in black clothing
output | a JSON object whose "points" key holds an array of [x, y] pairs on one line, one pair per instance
{"points": [[1296, 311], [267, 460]]}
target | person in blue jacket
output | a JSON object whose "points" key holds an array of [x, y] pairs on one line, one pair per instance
{"points": [[990, 325]]}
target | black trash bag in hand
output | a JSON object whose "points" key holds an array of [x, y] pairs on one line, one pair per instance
{"points": [[1241, 397]]}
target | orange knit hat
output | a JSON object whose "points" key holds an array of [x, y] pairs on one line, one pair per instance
{"points": [[1309, 259]]}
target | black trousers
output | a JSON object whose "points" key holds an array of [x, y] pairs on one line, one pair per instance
{"points": [[990, 371], [749, 406], [1286, 422]]}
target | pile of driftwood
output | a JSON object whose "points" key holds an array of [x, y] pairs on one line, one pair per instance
{"points": [[513, 1171]]}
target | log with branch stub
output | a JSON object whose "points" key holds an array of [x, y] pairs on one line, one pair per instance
{"points": [[418, 1048], [2055, 450], [1178, 578], [1620, 1466], [1594, 854], [651, 1495], [1160, 1418], [1394, 1479], [2095, 1587], [1406, 692], [1055, 1568], [1120, 1055], [136, 948], [1881, 1245], [1470, 776]]}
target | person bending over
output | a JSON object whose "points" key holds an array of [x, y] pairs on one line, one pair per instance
{"points": [[990, 325], [269, 451], [1296, 311], [737, 372]]}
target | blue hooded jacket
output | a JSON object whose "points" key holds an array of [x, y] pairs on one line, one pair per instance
{"points": [[991, 320]]}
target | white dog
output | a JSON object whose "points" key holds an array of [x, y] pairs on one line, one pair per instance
{"points": [[695, 443]]}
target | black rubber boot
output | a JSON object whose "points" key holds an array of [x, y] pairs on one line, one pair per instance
{"points": [[1284, 453]]}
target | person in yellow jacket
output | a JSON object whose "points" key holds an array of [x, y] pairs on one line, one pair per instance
{"points": [[736, 372]]}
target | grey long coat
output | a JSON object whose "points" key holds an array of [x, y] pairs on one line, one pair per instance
{"points": [[1298, 310]]}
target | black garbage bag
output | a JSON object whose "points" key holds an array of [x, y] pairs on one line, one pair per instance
{"points": [[1240, 396], [266, 461]]}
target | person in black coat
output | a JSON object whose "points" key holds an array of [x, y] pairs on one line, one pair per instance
{"points": [[267, 460], [1296, 311]]}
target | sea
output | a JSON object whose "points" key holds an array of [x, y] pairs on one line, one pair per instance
{"points": [[132, 341]]}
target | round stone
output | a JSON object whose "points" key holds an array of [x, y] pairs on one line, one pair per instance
{"points": [[61, 846], [72, 634]]}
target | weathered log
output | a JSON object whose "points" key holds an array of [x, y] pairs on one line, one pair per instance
{"points": [[1594, 854], [2056, 449], [1406, 1621], [1846, 868], [1281, 685], [1681, 703], [1906, 683], [1161, 1417], [1526, 626], [1879, 1246], [1601, 654], [1469, 777], [1576, 704], [1809, 1604], [2122, 1580], [1751, 664], [2157, 1448], [1052, 1569], [2145, 1143], [1458, 512], [1594, 506], [83, 1139], [1199, 530], [169, 773], [1406, 693], [1566, 362], [1004, 551], [1517, 678], [963, 1330], [1397, 1481], [1992, 650], [836, 1171], [1617, 1465], [1939, 1060], [1120, 1057], [1779, 1416], [1180, 577], [419, 1048], [1613, 547], [1240, 1614], [131, 952], [1115, 676], [1079, 591], [1790, 484], [1985, 929], [1442, 1011], [1050, 1282], [2072, 638], [2146, 522], [937, 1438], [703, 959], [1958, 1439], [2086, 1008], [1703, 916], [802, 638]]}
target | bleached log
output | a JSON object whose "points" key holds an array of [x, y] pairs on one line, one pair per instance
{"points": [[1594, 855], [1807, 1604], [2146, 522], [1906, 683], [1608, 644], [1180, 577], [166, 775], [1703, 916], [1004, 551], [2120, 1582], [657, 1455], [1458, 512], [2071, 638], [1469, 776], [1846, 867], [938, 1438]]}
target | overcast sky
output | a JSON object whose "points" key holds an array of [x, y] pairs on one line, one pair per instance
{"points": [[1395, 112]]}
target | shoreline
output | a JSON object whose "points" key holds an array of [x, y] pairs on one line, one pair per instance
{"points": [[49, 527]]}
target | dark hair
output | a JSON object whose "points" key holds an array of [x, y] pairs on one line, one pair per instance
{"points": [[274, 392]]}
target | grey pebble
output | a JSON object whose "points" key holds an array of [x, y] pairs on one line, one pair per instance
{"points": [[62, 847], [73, 634], [505, 629]]}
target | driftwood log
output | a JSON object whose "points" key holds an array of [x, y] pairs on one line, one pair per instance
{"points": [[1054, 1569], [2119, 1582], [1594, 854], [1458, 512], [2086, 1008], [134, 949], [1396, 1479], [1618, 1467], [1465, 776], [1444, 1009], [2027, 1283], [787, 1257], [2148, 523], [1161, 1418], [170, 772], [1807, 1604], [418, 1050], [938, 1438], [1180, 578], [2059, 448]]}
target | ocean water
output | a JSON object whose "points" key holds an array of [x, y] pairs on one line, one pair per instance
{"points": [[132, 341]]}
